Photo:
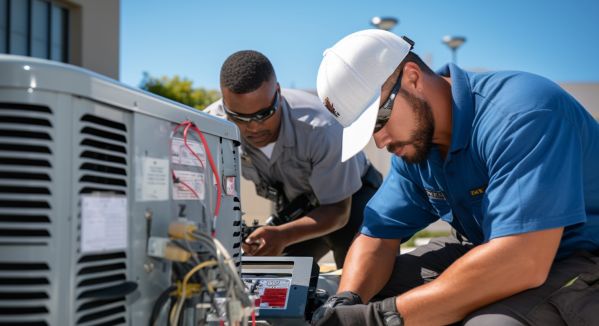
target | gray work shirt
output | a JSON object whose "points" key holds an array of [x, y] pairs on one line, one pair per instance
{"points": [[307, 154]]}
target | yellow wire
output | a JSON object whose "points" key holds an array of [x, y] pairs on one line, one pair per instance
{"points": [[208, 263], [178, 305]]}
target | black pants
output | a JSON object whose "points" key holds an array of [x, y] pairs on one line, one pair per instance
{"points": [[569, 296], [340, 240]]}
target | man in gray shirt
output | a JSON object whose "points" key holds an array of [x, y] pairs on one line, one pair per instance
{"points": [[290, 149]]}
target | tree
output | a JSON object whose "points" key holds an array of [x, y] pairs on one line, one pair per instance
{"points": [[180, 90]]}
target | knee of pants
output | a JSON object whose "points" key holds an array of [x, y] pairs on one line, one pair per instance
{"points": [[485, 317]]}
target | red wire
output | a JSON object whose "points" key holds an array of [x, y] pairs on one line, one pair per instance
{"points": [[185, 123], [189, 148], [186, 185], [188, 124], [216, 177], [213, 166], [253, 317]]}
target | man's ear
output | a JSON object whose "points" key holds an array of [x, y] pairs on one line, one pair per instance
{"points": [[412, 77]]}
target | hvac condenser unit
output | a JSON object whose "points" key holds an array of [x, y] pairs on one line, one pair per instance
{"points": [[89, 170]]}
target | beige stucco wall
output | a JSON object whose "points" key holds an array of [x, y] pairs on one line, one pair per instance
{"points": [[587, 94], [94, 35]]}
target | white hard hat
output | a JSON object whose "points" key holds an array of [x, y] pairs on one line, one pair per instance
{"points": [[350, 78]]}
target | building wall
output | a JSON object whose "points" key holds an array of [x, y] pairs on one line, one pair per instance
{"points": [[587, 94], [253, 206], [94, 35], [79, 32]]}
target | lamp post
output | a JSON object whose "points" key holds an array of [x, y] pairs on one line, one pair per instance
{"points": [[384, 23], [454, 42]]}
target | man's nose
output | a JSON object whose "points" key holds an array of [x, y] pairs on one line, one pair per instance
{"points": [[252, 126], [382, 138]]}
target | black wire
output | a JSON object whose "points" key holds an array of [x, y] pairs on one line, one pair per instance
{"points": [[179, 271], [159, 304]]}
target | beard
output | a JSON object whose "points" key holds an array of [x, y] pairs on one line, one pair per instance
{"points": [[422, 136]]}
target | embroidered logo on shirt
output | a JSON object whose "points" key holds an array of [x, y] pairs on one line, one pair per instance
{"points": [[433, 194], [331, 107], [478, 191]]}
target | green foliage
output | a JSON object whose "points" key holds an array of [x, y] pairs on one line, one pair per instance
{"points": [[180, 90]]}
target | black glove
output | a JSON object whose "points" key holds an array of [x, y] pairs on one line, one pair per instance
{"points": [[388, 310], [381, 313], [346, 298]]}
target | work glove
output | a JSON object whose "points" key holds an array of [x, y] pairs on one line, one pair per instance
{"points": [[380, 313], [388, 309], [346, 298]]}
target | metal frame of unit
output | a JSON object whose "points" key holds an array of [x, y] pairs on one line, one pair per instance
{"points": [[66, 132], [298, 271]]}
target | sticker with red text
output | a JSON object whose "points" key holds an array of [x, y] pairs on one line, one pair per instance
{"points": [[273, 293], [230, 186], [180, 154], [189, 185]]}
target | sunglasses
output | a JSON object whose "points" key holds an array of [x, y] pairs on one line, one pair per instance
{"points": [[385, 110], [260, 116]]}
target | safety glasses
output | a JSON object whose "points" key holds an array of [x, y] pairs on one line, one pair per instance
{"points": [[385, 110], [260, 116]]}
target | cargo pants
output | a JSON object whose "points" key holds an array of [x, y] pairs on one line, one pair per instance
{"points": [[570, 296]]}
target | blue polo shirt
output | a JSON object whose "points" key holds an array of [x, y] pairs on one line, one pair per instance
{"points": [[524, 157]]}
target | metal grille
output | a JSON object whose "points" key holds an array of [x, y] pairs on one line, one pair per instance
{"points": [[26, 138], [103, 170], [236, 252], [96, 273], [236, 227]]}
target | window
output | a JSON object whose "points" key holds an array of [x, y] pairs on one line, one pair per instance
{"points": [[3, 26], [37, 28]]}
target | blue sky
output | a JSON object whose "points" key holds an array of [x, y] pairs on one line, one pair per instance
{"points": [[192, 38]]}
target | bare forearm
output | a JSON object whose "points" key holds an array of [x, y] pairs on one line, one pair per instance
{"points": [[486, 274], [320, 221], [368, 265]]}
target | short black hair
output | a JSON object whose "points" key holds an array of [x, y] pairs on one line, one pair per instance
{"points": [[245, 71], [410, 57]]}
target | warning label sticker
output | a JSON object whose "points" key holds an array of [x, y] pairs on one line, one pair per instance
{"points": [[230, 186], [273, 293], [153, 185], [187, 180], [182, 155], [103, 223]]}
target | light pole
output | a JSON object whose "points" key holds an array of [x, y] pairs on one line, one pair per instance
{"points": [[454, 42], [384, 23]]}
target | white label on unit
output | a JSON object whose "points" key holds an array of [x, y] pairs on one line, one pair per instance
{"points": [[230, 186], [182, 155], [155, 178], [103, 223], [187, 180]]}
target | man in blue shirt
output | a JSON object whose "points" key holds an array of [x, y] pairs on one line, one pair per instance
{"points": [[509, 159]]}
